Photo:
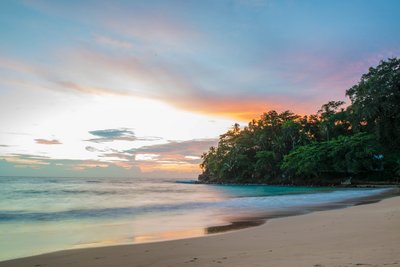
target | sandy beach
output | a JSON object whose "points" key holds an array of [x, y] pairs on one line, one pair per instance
{"points": [[365, 235]]}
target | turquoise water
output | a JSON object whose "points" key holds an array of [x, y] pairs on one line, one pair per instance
{"points": [[39, 215]]}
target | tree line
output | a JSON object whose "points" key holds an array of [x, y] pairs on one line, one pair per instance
{"points": [[360, 142]]}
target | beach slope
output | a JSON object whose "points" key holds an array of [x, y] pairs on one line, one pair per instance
{"points": [[365, 235]]}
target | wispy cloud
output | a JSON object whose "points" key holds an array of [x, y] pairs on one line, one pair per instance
{"points": [[166, 25], [108, 41], [69, 85], [17, 65], [151, 21], [48, 141]]}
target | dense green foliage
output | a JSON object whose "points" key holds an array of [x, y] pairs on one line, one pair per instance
{"points": [[361, 141]]}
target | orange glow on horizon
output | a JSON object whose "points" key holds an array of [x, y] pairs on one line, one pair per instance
{"points": [[170, 167], [245, 110]]}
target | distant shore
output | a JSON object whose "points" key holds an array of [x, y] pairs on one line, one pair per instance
{"points": [[360, 235], [336, 185]]}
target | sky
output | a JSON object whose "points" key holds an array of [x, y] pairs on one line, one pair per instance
{"points": [[143, 88]]}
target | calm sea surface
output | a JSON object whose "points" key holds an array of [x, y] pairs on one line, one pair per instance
{"points": [[39, 215]]}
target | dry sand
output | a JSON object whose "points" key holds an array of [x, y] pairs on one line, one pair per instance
{"points": [[366, 235]]}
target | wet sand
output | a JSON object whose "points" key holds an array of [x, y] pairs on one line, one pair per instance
{"points": [[363, 235]]}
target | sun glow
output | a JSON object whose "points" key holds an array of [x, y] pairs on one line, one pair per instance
{"points": [[106, 132]]}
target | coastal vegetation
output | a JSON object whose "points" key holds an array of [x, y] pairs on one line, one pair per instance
{"points": [[358, 143]]}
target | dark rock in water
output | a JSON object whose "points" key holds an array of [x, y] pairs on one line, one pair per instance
{"points": [[187, 182]]}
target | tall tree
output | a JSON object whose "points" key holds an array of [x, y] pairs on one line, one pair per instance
{"points": [[375, 102], [329, 116]]}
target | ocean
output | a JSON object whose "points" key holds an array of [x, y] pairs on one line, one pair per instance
{"points": [[39, 215]]}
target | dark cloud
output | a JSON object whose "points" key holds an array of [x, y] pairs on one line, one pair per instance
{"points": [[121, 134], [182, 152], [186, 148], [91, 149], [48, 142], [110, 135]]}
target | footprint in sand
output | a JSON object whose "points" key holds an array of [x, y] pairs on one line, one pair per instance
{"points": [[194, 259]]}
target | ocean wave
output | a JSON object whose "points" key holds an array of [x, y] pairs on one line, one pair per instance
{"points": [[96, 213], [240, 204], [299, 200]]}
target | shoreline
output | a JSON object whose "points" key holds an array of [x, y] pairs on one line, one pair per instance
{"points": [[239, 223], [333, 185], [201, 245]]}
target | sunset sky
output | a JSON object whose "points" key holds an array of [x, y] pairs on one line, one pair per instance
{"points": [[142, 88]]}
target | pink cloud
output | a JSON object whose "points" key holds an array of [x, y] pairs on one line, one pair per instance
{"points": [[47, 142]]}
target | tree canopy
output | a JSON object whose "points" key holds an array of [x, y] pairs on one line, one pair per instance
{"points": [[361, 141]]}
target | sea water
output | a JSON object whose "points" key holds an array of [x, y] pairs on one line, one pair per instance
{"points": [[39, 215]]}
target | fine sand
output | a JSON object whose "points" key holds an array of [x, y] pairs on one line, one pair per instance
{"points": [[365, 235]]}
